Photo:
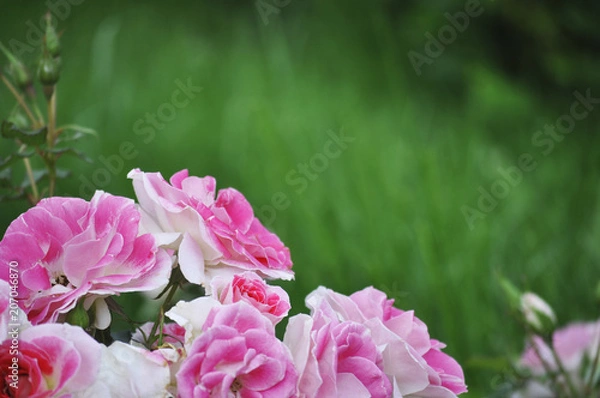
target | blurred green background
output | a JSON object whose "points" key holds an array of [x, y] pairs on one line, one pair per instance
{"points": [[279, 79]]}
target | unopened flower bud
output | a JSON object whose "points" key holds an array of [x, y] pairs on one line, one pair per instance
{"points": [[51, 37], [18, 70], [538, 314], [48, 71]]}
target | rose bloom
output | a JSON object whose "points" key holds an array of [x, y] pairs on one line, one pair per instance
{"points": [[272, 301], [237, 355], [191, 316], [68, 249], [214, 236], [414, 362], [130, 371], [335, 359], [52, 360], [576, 344]]}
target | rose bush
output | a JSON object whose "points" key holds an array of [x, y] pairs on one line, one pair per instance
{"points": [[63, 258]]}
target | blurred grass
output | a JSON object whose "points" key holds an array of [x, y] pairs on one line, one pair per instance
{"points": [[387, 212]]}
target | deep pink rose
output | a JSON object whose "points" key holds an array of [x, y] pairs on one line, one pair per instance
{"points": [[214, 237], [237, 355], [272, 301], [335, 359], [67, 249], [413, 361], [52, 360]]}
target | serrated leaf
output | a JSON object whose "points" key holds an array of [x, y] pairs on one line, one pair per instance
{"points": [[35, 138], [70, 151]]}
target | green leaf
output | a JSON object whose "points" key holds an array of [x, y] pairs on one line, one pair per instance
{"points": [[35, 138], [6, 178], [78, 129], [4, 163], [70, 151], [39, 175]]}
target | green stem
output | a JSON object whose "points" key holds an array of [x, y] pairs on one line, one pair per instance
{"points": [[20, 99], [551, 373], [562, 370], [51, 141], [34, 188], [590, 384], [159, 322]]}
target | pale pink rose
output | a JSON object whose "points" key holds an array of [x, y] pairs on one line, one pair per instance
{"points": [[214, 236], [237, 355], [412, 360], [272, 301], [69, 249], [130, 371], [575, 344], [192, 315], [335, 359], [52, 360]]}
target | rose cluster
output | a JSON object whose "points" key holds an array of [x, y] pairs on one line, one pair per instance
{"points": [[72, 256]]}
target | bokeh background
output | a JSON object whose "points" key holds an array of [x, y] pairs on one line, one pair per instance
{"points": [[279, 78]]}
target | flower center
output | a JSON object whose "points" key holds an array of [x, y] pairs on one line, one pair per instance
{"points": [[235, 386], [60, 280]]}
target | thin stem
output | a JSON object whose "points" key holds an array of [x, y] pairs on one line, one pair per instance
{"points": [[590, 383], [51, 141], [52, 119], [545, 364], [160, 320], [20, 99], [562, 370], [38, 113], [34, 188]]}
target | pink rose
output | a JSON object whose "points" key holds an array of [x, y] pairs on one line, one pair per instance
{"points": [[237, 355], [272, 301], [67, 249], [52, 360], [335, 359], [413, 361], [214, 237]]}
